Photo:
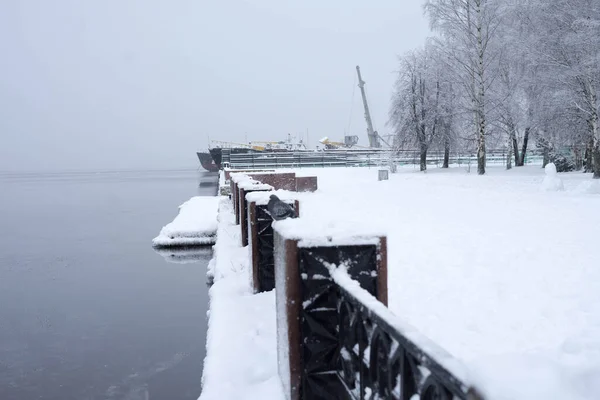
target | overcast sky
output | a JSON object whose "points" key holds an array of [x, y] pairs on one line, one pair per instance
{"points": [[111, 84]]}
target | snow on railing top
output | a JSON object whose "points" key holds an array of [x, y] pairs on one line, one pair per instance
{"points": [[239, 177], [404, 333], [251, 184], [262, 198], [323, 233]]}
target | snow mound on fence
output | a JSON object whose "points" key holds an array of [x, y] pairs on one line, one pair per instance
{"points": [[262, 197], [195, 225]]}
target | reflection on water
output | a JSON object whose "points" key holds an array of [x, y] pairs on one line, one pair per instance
{"points": [[185, 255]]}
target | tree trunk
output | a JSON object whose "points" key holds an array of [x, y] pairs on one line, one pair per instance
{"points": [[512, 141], [446, 153], [481, 156], [578, 158], [596, 157], [509, 156], [588, 158], [594, 143], [423, 157], [524, 149], [546, 157], [515, 145]]}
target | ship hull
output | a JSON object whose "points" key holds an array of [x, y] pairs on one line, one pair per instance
{"points": [[207, 162]]}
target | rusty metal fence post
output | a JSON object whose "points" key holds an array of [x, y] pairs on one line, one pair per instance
{"points": [[306, 301], [235, 179], [261, 239], [244, 188], [306, 184], [279, 181]]}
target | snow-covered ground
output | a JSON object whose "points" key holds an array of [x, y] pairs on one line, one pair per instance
{"points": [[196, 224], [497, 270], [241, 344]]}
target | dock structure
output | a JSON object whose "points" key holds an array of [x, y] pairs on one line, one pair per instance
{"points": [[308, 338]]}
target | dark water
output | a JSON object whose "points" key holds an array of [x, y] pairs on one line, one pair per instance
{"points": [[88, 310]]}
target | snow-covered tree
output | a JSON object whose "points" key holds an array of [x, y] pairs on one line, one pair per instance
{"points": [[419, 112], [567, 38], [466, 30], [507, 72]]}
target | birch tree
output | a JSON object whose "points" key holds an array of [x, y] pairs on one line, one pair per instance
{"points": [[568, 42], [505, 72], [517, 87], [467, 29], [417, 110]]}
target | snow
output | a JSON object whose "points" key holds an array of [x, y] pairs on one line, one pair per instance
{"points": [[340, 276], [222, 181], [491, 269], [239, 177], [284, 369], [500, 275], [550, 169], [589, 187], [251, 184], [262, 198], [196, 224], [323, 232], [552, 183], [241, 352]]}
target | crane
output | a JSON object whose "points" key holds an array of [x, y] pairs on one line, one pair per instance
{"points": [[373, 135]]}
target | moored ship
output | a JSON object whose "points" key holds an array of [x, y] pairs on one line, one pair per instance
{"points": [[207, 162], [220, 152], [213, 159]]}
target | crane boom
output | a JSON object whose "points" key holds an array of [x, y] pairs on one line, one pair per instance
{"points": [[373, 136]]}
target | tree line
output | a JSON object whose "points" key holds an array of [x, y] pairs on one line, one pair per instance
{"points": [[504, 73]]}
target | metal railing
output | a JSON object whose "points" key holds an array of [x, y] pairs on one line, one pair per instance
{"points": [[363, 158], [336, 337], [378, 361]]}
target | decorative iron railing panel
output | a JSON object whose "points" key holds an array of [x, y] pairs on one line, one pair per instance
{"points": [[378, 362], [351, 352], [319, 314], [266, 262]]}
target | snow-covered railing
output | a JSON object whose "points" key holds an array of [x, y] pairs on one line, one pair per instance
{"points": [[279, 180], [380, 357], [336, 337], [307, 299], [306, 184], [245, 187], [234, 181], [260, 234]]}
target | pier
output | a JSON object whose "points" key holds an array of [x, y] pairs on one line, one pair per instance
{"points": [[311, 337], [387, 286]]}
